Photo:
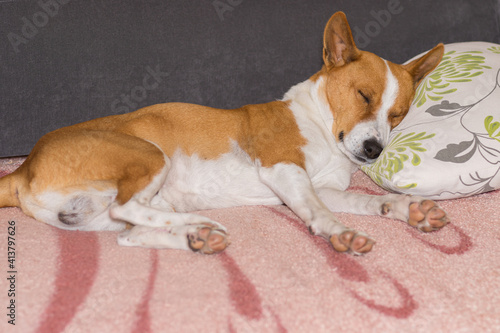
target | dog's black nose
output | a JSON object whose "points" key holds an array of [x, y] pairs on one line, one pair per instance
{"points": [[372, 149]]}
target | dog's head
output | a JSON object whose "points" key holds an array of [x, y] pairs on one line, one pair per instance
{"points": [[367, 95]]}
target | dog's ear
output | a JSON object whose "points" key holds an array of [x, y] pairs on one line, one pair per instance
{"points": [[422, 66], [338, 45]]}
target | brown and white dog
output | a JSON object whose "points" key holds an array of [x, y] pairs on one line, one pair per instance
{"points": [[152, 166]]}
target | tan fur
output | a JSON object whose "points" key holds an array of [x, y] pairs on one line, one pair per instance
{"points": [[267, 132], [112, 152], [272, 135], [347, 104], [191, 128], [8, 190], [85, 158]]}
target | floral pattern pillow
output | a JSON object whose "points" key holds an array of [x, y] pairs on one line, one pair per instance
{"points": [[448, 146]]}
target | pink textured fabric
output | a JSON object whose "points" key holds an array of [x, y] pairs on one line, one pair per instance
{"points": [[274, 277]]}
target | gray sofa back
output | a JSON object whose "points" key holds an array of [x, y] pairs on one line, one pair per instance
{"points": [[64, 62]]}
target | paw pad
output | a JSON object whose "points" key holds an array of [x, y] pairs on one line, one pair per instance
{"points": [[208, 239], [352, 241], [427, 216]]}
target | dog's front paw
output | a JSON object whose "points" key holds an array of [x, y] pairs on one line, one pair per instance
{"points": [[352, 241], [427, 216], [423, 214]]}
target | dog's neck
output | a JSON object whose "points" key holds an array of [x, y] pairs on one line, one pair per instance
{"points": [[310, 97], [311, 109]]}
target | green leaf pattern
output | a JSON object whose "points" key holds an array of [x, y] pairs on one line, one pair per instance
{"points": [[455, 67], [394, 156], [494, 49], [492, 128]]}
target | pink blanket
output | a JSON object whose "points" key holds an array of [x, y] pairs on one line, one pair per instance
{"points": [[274, 277]]}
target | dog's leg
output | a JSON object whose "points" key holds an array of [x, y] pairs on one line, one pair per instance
{"points": [[293, 186], [203, 238], [154, 228], [425, 215]]}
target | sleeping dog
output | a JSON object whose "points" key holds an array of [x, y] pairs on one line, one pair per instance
{"points": [[143, 172]]}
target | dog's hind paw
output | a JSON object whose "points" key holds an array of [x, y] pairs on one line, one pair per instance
{"points": [[352, 241], [427, 216], [207, 239]]}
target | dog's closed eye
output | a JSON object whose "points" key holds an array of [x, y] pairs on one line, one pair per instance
{"points": [[365, 96], [396, 116]]}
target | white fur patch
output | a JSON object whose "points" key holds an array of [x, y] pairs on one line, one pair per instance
{"points": [[388, 99], [326, 165], [47, 206], [231, 180]]}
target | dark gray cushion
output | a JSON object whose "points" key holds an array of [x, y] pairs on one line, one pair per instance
{"points": [[64, 62]]}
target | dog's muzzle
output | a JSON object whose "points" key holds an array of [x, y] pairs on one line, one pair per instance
{"points": [[372, 149], [363, 145], [367, 152]]}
